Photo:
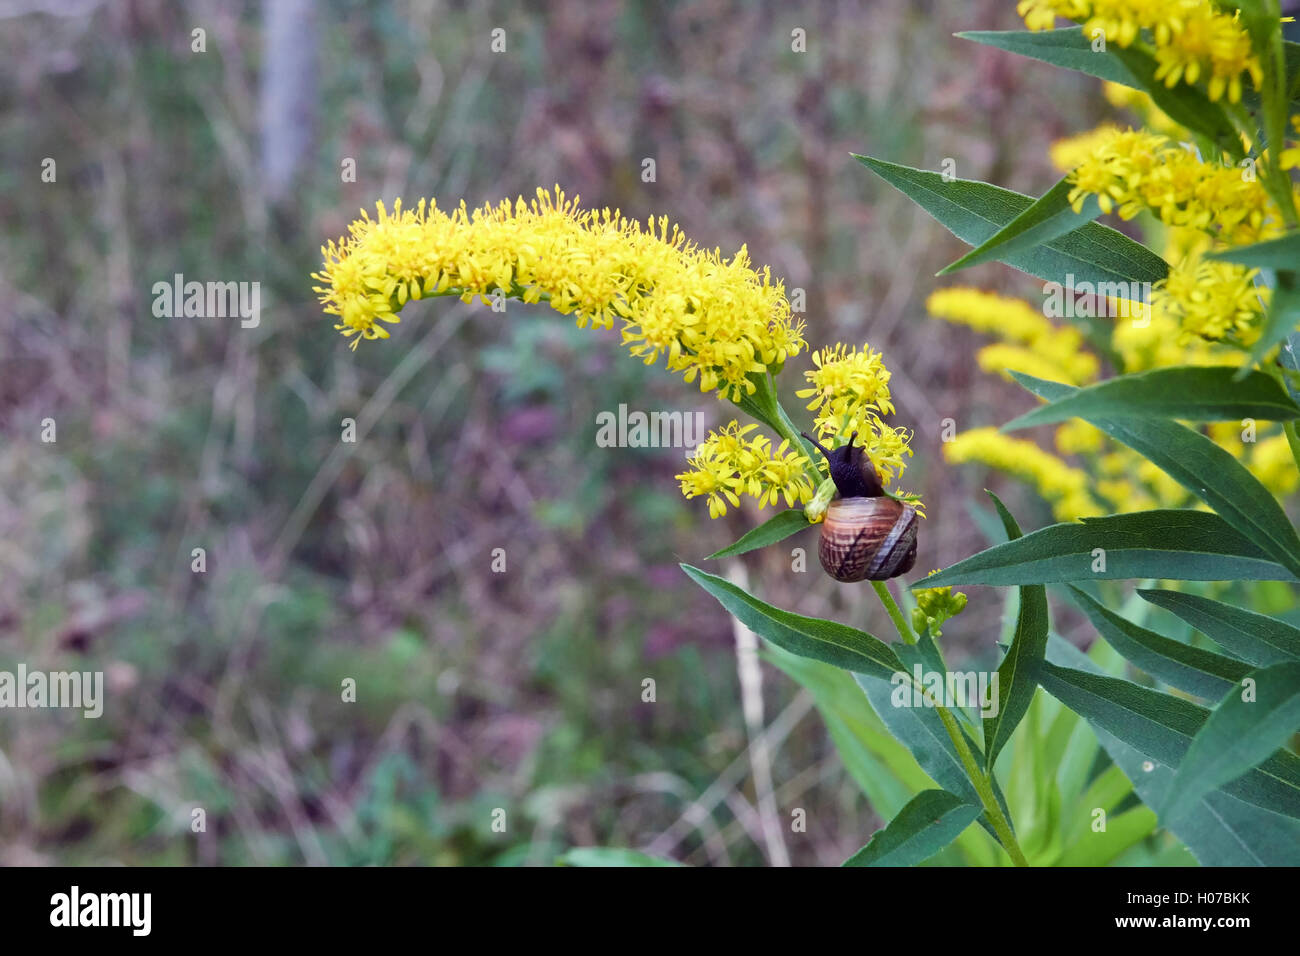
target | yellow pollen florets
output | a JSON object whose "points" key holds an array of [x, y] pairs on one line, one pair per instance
{"points": [[713, 319]]}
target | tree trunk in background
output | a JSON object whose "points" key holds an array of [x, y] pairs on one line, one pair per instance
{"points": [[288, 92]]}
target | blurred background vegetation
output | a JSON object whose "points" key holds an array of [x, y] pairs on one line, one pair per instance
{"points": [[326, 561]]}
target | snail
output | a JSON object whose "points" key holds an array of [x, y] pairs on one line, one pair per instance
{"points": [[866, 535]]}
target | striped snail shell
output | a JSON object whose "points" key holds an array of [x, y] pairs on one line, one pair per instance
{"points": [[866, 535]]}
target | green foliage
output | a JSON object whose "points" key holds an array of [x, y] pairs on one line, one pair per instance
{"points": [[930, 821], [1221, 776], [975, 212]]}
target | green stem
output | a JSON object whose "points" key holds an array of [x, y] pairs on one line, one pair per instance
{"points": [[981, 780], [984, 787], [895, 615]]}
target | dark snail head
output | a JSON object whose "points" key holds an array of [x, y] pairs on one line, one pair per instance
{"points": [[851, 470], [865, 535]]}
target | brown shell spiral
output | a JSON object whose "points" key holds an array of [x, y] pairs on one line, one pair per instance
{"points": [[868, 539]]}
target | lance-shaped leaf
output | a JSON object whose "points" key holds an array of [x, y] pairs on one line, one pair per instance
{"points": [[826, 641], [1017, 674], [1176, 544], [1180, 665], [1245, 729], [1221, 830], [1279, 254], [1256, 638], [929, 822], [1282, 318], [1203, 468], [974, 211], [1162, 727], [1071, 49], [777, 528], [1189, 392], [1050, 217]]}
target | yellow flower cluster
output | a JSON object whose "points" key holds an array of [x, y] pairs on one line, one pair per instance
{"points": [[1063, 486], [934, 606], [1193, 39], [1215, 301], [1030, 343], [713, 318], [728, 464], [1070, 151], [1159, 344], [850, 393], [1117, 477], [1133, 171]]}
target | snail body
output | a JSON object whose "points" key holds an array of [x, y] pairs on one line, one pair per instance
{"points": [[865, 535]]}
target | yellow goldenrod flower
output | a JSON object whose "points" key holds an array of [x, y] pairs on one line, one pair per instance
{"points": [[1136, 170], [934, 606], [1159, 343], [1077, 437], [1070, 151], [1032, 344], [711, 318], [1077, 368], [728, 464], [850, 393], [1064, 487], [1194, 40], [1212, 300]]}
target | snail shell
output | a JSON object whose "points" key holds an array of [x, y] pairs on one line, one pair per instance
{"points": [[868, 539]]}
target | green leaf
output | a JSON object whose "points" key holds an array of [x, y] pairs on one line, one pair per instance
{"points": [[1203, 468], [1222, 830], [1071, 49], [882, 765], [1281, 254], [1188, 392], [921, 731], [1017, 679], [777, 528], [932, 820], [1175, 544], [1256, 638], [975, 211], [1049, 218], [1122, 832], [1162, 727], [1239, 735], [1282, 318], [612, 856], [826, 641], [1180, 665]]}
